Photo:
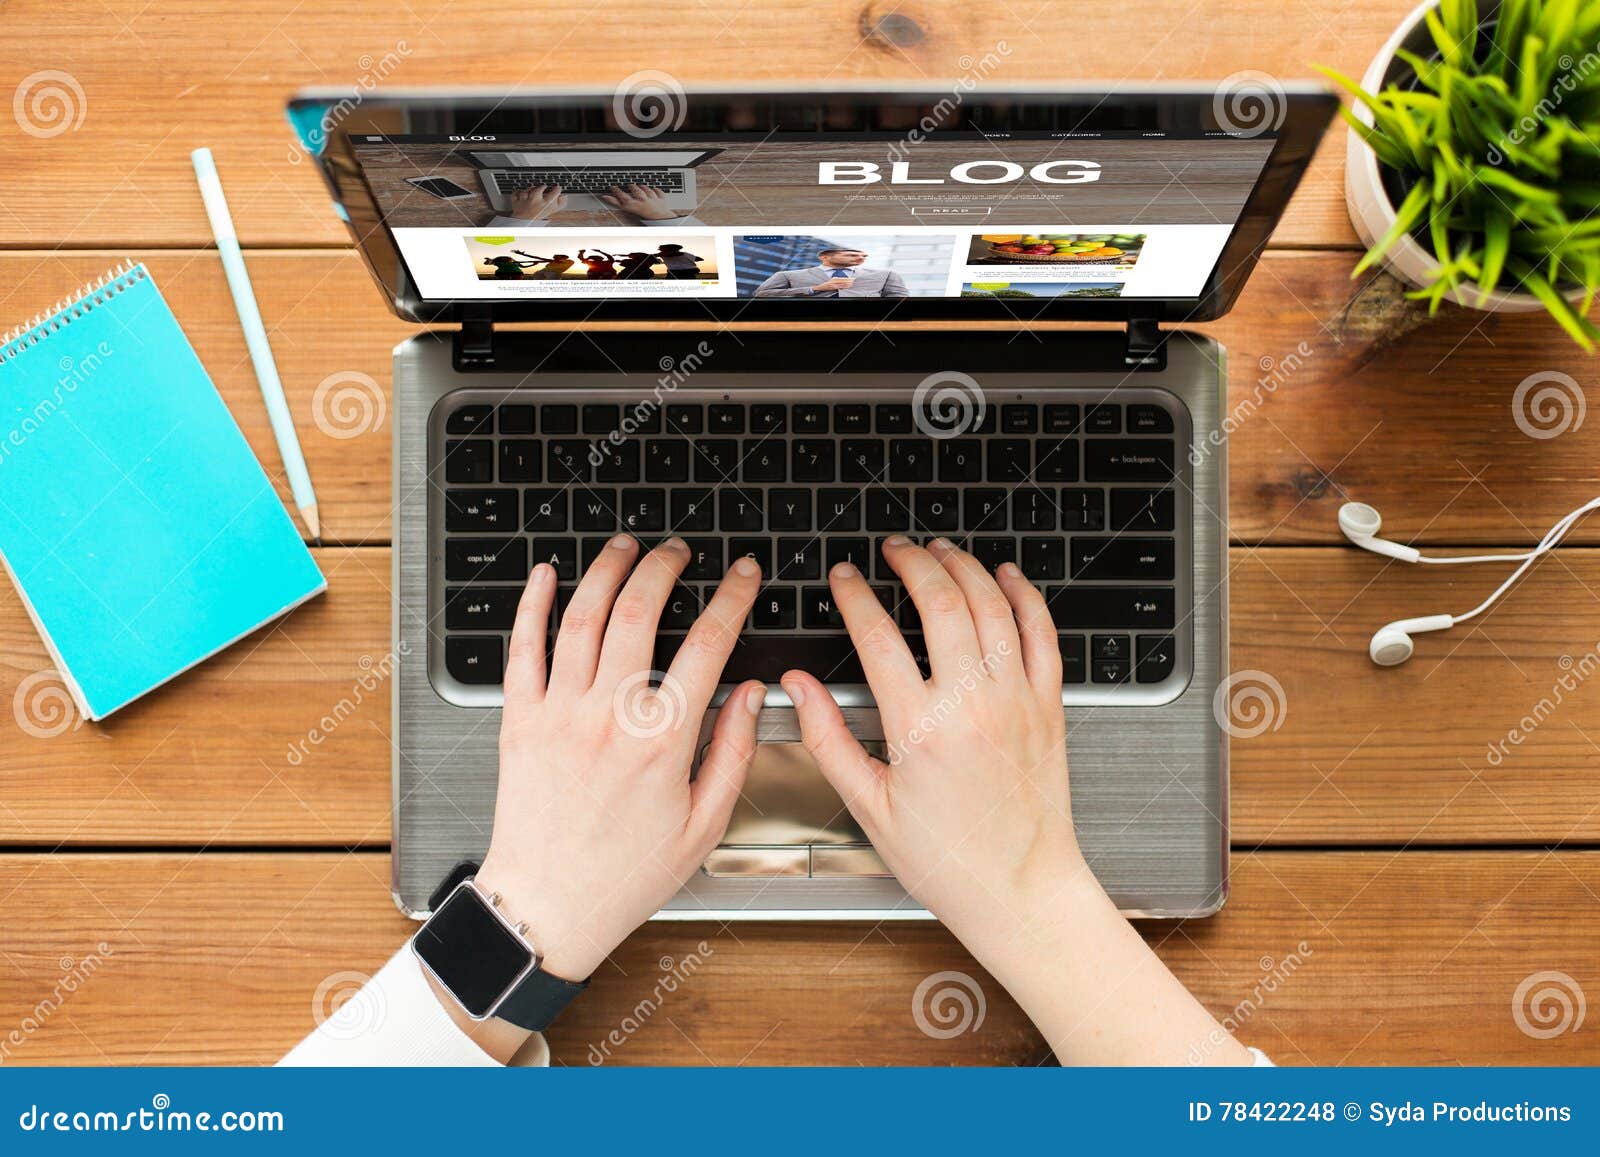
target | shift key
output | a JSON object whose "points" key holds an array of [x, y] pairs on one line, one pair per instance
{"points": [[1083, 607], [1128, 459], [490, 560]]}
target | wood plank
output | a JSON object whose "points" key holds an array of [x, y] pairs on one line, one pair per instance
{"points": [[219, 958], [1360, 755], [146, 97], [1325, 402]]}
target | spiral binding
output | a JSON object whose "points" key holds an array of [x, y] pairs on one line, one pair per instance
{"points": [[69, 309]]}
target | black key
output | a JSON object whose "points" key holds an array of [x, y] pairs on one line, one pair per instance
{"points": [[516, 419], [481, 608], [830, 657], [960, 460], [1010, 459], [955, 415], [1044, 559], [1057, 460], [985, 509], [838, 510], [618, 462], [1083, 510], [1156, 656], [880, 565], [817, 612], [1110, 670], [519, 460], [765, 460], [666, 460], [685, 419], [716, 460], [643, 511], [774, 609], [908, 618], [738, 509], [600, 419], [681, 610], [769, 418], [861, 460], [642, 417], [1122, 558], [991, 551], [725, 420], [855, 551], [911, 460], [799, 559], [705, 560], [475, 658], [594, 509], [1109, 647], [589, 550], [567, 460], [1128, 460], [1147, 608], [692, 510], [470, 420], [1060, 419], [545, 510], [759, 549], [1033, 510], [809, 418], [812, 459], [1148, 419], [888, 509], [1019, 418], [480, 510], [1103, 419], [471, 461], [1142, 510], [893, 418], [561, 553], [852, 418], [559, 419], [886, 598], [1074, 665], [788, 510], [489, 560], [937, 510]]}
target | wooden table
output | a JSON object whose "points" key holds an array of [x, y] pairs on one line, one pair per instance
{"points": [[219, 891]]}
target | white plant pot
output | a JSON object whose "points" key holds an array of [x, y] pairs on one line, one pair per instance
{"points": [[1371, 211]]}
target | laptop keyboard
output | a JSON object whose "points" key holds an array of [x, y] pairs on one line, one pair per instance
{"points": [[587, 180], [1081, 494]]}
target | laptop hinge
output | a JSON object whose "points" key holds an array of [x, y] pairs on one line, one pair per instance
{"points": [[1147, 345], [475, 339]]}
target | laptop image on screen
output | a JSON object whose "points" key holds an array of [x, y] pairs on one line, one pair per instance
{"points": [[1094, 457]]}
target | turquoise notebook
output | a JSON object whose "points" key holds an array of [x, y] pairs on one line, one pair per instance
{"points": [[135, 521]]}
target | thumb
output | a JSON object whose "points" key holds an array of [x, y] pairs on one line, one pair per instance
{"points": [[722, 773], [855, 775]]}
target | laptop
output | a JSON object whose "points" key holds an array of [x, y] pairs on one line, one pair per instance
{"points": [[738, 365], [585, 173]]}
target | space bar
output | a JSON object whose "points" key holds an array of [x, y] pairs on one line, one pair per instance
{"points": [[831, 658]]}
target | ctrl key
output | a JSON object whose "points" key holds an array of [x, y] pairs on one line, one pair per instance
{"points": [[475, 658]]}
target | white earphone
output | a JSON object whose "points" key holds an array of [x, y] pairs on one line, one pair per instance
{"points": [[1391, 644]]}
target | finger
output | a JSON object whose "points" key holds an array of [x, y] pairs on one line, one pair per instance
{"points": [[583, 622], [1041, 649], [630, 636], [891, 671], [722, 773], [856, 776], [699, 662], [946, 619], [524, 682], [992, 616], [610, 199]]}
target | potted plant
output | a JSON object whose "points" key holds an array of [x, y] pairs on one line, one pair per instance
{"points": [[1474, 162]]}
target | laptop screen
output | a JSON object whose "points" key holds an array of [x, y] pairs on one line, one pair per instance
{"points": [[814, 219]]}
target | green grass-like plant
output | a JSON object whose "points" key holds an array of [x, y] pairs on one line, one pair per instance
{"points": [[1496, 140]]}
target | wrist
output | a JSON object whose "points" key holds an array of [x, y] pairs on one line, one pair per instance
{"points": [[1046, 900], [565, 952]]}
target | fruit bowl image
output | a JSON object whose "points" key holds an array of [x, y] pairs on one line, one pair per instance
{"points": [[1064, 248]]}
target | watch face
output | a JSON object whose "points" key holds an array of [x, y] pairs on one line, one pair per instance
{"points": [[472, 953]]}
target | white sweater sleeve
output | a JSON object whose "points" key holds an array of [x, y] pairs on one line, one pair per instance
{"points": [[396, 1020]]}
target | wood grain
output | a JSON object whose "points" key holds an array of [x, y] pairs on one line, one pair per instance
{"points": [[1358, 756], [1326, 958], [148, 93]]}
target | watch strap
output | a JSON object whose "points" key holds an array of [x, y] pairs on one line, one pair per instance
{"points": [[538, 1000]]}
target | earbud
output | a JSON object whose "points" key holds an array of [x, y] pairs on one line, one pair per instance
{"points": [[1391, 644], [1361, 524]]}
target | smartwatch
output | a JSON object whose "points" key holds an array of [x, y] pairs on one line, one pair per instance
{"points": [[487, 964]]}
